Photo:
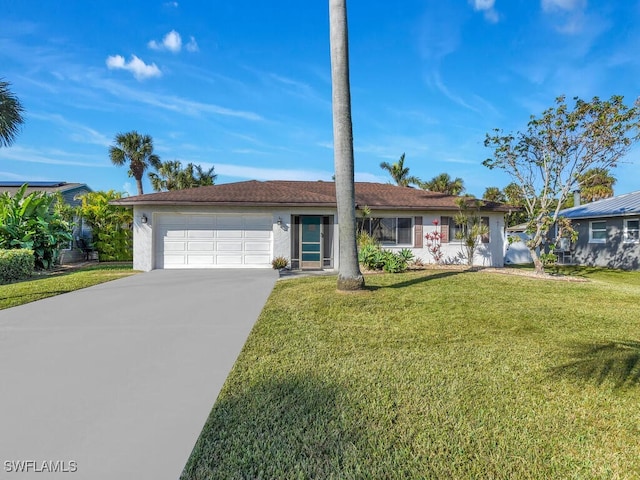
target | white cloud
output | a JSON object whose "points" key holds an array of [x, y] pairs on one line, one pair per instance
{"points": [[49, 157], [171, 4], [486, 7], [129, 189], [566, 5], [171, 41], [569, 15], [136, 66], [174, 104], [192, 46]]}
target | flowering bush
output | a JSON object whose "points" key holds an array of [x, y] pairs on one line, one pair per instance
{"points": [[434, 240]]}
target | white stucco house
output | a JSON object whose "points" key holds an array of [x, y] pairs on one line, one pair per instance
{"points": [[248, 224]]}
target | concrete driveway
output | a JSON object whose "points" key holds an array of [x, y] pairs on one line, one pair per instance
{"points": [[116, 381]]}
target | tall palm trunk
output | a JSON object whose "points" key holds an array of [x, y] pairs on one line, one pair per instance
{"points": [[349, 275]]}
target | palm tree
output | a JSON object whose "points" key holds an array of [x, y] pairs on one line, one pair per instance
{"points": [[138, 151], [10, 115], [171, 176], [444, 184], [596, 184], [494, 194], [349, 275], [400, 173]]}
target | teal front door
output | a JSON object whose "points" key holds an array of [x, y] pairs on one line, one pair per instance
{"points": [[311, 243]]}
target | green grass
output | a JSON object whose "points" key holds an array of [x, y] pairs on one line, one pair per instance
{"points": [[48, 285], [436, 374]]}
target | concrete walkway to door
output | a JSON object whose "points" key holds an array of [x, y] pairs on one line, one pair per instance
{"points": [[116, 381]]}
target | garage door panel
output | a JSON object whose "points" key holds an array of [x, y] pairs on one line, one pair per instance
{"points": [[229, 259], [251, 247], [200, 259], [256, 259], [206, 241], [174, 259], [229, 246], [174, 246], [200, 246]]}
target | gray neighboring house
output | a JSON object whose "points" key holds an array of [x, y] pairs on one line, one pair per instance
{"points": [[69, 192], [248, 224], [608, 232]]}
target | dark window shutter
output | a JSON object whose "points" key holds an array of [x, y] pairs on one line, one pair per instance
{"points": [[417, 236]]}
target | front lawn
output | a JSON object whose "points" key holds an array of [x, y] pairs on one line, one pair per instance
{"points": [[50, 284], [434, 374]]}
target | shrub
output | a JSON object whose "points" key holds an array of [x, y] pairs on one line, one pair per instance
{"points": [[16, 264], [111, 225], [279, 263], [372, 257]]}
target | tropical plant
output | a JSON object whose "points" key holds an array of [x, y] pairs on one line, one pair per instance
{"points": [[31, 222], [494, 194], [171, 176], [472, 227], [434, 243], [596, 184], [10, 115], [137, 150], [400, 173], [547, 159], [349, 275], [443, 183], [111, 225], [373, 257]]}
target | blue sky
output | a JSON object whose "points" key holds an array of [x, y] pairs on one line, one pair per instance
{"points": [[244, 86]]}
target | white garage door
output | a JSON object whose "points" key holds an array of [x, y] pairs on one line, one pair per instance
{"points": [[207, 241]]}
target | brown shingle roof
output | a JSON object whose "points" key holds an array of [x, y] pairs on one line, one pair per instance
{"points": [[293, 193]]}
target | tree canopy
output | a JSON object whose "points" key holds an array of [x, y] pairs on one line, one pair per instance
{"points": [[494, 194], [11, 111], [443, 183], [547, 159], [171, 175], [596, 184], [138, 151], [400, 173]]}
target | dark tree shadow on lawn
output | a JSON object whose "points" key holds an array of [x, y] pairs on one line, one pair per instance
{"points": [[617, 362], [278, 428], [417, 280]]}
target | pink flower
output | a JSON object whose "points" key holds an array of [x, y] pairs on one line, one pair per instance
{"points": [[435, 222]]}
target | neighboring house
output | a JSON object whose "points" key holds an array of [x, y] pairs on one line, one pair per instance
{"points": [[70, 193], [608, 232], [248, 224], [516, 251]]}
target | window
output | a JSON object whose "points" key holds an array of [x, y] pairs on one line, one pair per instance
{"points": [[450, 230], [486, 237], [631, 232], [388, 231], [598, 232]]}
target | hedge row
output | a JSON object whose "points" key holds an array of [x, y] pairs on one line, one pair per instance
{"points": [[16, 264]]}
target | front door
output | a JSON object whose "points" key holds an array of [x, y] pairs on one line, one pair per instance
{"points": [[311, 242]]}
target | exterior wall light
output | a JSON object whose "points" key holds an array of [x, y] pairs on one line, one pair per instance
{"points": [[144, 218]]}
